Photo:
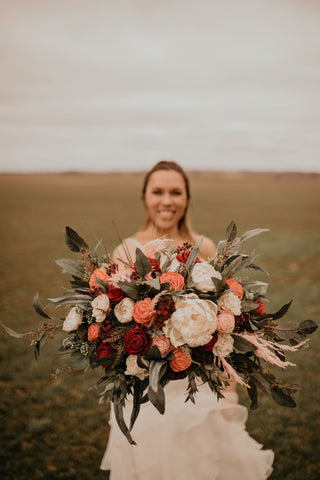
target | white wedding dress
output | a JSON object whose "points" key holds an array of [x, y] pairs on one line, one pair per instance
{"points": [[205, 441]]}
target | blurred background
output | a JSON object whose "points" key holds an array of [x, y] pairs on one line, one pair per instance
{"points": [[110, 85], [92, 94]]}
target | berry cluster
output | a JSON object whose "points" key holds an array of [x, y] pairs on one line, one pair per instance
{"points": [[164, 309]]}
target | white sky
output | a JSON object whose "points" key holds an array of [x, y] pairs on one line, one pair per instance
{"points": [[115, 85]]}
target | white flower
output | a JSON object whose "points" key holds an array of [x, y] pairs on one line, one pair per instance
{"points": [[223, 346], [72, 320], [229, 303], [201, 276], [174, 266], [134, 369], [123, 310], [193, 322], [100, 307]]}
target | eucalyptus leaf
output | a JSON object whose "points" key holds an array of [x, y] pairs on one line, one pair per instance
{"points": [[101, 284], [261, 382], [231, 231], [253, 395], [282, 398], [78, 361], [193, 254], [37, 306], [137, 396], [118, 413], [307, 327], [71, 300], [157, 398], [253, 233], [156, 372], [286, 330], [143, 265], [153, 354], [12, 333], [242, 345], [131, 289], [74, 241], [71, 266]]}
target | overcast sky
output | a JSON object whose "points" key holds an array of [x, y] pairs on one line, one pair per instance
{"points": [[115, 85]]}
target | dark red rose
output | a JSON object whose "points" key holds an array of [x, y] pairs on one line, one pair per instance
{"points": [[209, 346], [261, 310], [104, 350], [155, 268], [137, 341], [183, 257], [171, 375], [115, 294]]}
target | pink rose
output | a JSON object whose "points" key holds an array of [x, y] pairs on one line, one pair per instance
{"points": [[225, 322], [155, 246], [164, 345]]}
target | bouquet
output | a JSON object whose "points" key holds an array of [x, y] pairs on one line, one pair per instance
{"points": [[170, 315]]}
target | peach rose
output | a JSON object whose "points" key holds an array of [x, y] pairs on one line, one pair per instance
{"points": [[181, 361], [175, 279], [236, 287], [93, 332], [225, 322], [142, 311], [98, 273], [164, 344], [154, 246]]}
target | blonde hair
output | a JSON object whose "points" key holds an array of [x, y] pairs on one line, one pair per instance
{"points": [[183, 225]]}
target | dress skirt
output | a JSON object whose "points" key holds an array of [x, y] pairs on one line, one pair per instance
{"points": [[205, 441]]}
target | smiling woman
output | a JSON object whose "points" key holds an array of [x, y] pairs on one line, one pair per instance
{"points": [[207, 441], [166, 196]]}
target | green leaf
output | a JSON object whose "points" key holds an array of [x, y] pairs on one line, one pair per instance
{"points": [[307, 327], [242, 345], [157, 398], [231, 231], [118, 404], [286, 330], [131, 289], [71, 266], [283, 310], [193, 255], [156, 371], [101, 284], [261, 382], [78, 361], [37, 307], [74, 241], [137, 395], [143, 265], [71, 300], [279, 396], [153, 354], [253, 233], [253, 395]]}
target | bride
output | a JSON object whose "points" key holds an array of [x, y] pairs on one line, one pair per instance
{"points": [[206, 441]]}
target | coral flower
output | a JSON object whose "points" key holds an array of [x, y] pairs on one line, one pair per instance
{"points": [[98, 273], [175, 279], [236, 287]]}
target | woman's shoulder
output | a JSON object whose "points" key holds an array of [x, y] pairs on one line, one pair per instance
{"points": [[127, 248], [207, 247]]}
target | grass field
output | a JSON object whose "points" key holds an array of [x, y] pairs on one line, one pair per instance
{"points": [[54, 428]]}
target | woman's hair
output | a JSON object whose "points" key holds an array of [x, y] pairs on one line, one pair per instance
{"points": [[183, 225]]}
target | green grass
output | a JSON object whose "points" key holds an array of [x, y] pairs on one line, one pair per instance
{"points": [[54, 428]]}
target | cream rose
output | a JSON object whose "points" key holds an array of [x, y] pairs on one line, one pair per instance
{"points": [[201, 276], [100, 307], [134, 369], [193, 322], [123, 310], [72, 320], [229, 303], [223, 346], [226, 322]]}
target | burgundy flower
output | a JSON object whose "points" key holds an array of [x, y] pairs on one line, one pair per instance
{"points": [[209, 346], [104, 350], [137, 341], [115, 294], [183, 257], [171, 375]]}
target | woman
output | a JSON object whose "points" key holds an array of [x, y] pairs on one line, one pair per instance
{"points": [[206, 441]]}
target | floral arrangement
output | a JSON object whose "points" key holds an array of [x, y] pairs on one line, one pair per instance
{"points": [[171, 315]]}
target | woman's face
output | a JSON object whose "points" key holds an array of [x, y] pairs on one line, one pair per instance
{"points": [[166, 199]]}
